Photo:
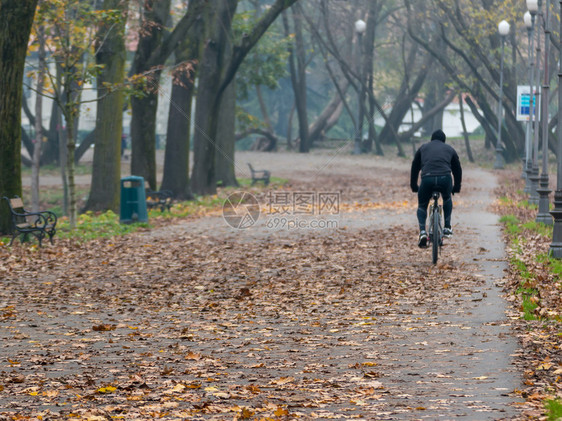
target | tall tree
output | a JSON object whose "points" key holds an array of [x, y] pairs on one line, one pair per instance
{"points": [[469, 51], [36, 156], [16, 19], [226, 138], [216, 72], [178, 134], [297, 66], [156, 44], [143, 122], [110, 57], [72, 27], [218, 26]]}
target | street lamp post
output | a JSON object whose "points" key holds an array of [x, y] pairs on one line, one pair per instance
{"points": [[556, 245], [503, 28], [534, 7], [360, 27], [529, 24], [543, 215]]}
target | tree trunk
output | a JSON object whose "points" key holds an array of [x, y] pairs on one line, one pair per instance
{"points": [[226, 130], [298, 76], [176, 156], [62, 162], [203, 178], [85, 145], [36, 157], [143, 137], [226, 137], [263, 109], [106, 169], [328, 117], [488, 130], [71, 146], [143, 121], [16, 18], [464, 132], [404, 100], [51, 152], [369, 52]]}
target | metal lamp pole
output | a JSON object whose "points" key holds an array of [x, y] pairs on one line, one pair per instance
{"points": [[534, 7], [543, 215], [360, 27], [556, 245], [503, 28], [529, 24]]}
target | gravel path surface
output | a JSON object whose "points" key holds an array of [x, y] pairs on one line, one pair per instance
{"points": [[204, 321]]}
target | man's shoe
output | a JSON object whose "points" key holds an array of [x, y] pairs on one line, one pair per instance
{"points": [[422, 242], [447, 232]]}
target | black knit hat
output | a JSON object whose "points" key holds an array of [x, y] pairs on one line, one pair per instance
{"points": [[438, 135]]}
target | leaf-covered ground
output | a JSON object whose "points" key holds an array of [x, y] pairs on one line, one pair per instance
{"points": [[540, 335], [201, 321]]}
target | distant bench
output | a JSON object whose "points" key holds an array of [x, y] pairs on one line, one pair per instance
{"points": [[259, 175], [162, 199], [39, 224]]}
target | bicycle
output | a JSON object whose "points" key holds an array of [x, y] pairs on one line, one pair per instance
{"points": [[435, 236]]}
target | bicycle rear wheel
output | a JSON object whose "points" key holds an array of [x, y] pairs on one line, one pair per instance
{"points": [[436, 240]]}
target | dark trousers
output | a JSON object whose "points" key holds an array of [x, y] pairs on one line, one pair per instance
{"points": [[442, 184]]}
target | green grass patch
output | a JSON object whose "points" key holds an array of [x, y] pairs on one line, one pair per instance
{"points": [[273, 182], [538, 227], [90, 226], [555, 266], [554, 409], [512, 224], [526, 205], [528, 306]]}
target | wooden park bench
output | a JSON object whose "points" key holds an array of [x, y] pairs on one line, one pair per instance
{"points": [[39, 224], [259, 175], [162, 199]]}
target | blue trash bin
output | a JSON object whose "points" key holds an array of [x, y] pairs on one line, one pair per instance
{"points": [[133, 200]]}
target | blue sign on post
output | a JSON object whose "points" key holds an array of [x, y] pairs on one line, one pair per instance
{"points": [[524, 103]]}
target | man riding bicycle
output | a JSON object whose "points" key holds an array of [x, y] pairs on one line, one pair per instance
{"points": [[436, 160]]}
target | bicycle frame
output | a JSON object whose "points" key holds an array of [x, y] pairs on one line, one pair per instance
{"points": [[435, 226]]}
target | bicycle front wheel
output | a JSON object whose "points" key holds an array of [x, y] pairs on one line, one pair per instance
{"points": [[436, 240]]}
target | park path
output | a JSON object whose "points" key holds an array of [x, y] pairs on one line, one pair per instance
{"points": [[204, 321]]}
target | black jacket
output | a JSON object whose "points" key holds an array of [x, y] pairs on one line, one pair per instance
{"points": [[436, 158]]}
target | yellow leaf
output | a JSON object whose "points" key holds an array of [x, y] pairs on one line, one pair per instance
{"points": [[178, 387], [358, 402], [544, 366], [222, 395], [193, 356], [107, 389], [280, 412], [246, 414], [51, 393], [33, 393]]}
